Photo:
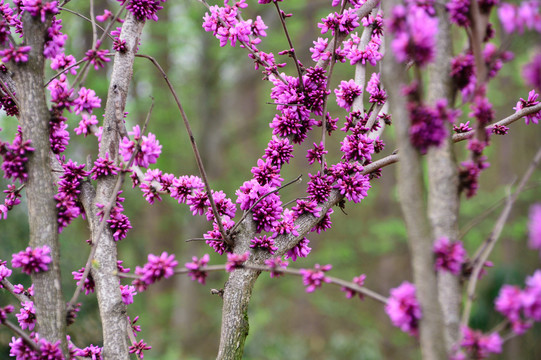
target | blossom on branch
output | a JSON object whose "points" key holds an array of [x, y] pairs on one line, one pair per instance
{"points": [[404, 309], [314, 278], [32, 260]]}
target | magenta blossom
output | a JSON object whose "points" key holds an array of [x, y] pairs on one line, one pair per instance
{"points": [[27, 315], [358, 280], [449, 255], [346, 93], [235, 261], [534, 227], [532, 100], [32, 260], [314, 278], [404, 309], [155, 269], [195, 266], [274, 264], [480, 345]]}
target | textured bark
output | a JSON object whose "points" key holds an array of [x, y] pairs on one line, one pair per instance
{"points": [[34, 117], [412, 201], [443, 196], [112, 309]]}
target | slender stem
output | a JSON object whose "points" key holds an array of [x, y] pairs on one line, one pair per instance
{"points": [[198, 159], [9, 286], [23, 335], [64, 71], [299, 178], [93, 22], [292, 51], [488, 245]]}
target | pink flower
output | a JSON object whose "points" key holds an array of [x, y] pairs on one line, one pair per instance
{"points": [[274, 264], [195, 266], [480, 345], [155, 269], [32, 260], [358, 280], [235, 261], [346, 93], [404, 309], [314, 278], [449, 255]]}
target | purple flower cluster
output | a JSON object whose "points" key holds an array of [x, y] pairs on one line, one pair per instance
{"points": [[5, 272], [194, 267], [58, 135], [479, 345], [86, 124], [68, 191], [267, 212], [61, 93], [118, 222], [16, 54], [427, 126], [415, 31], [104, 167], [316, 153], [12, 199], [374, 88], [345, 22], [225, 24], [264, 243], [155, 269], [358, 280], [314, 278], [482, 110], [278, 151], [32, 260], [149, 151], [518, 18], [214, 237], [86, 101], [404, 309], [469, 175], [15, 157], [4, 311], [369, 55], [62, 61], [89, 284], [346, 93], [274, 265], [449, 255], [531, 72], [300, 250], [143, 9], [39, 8], [27, 315], [532, 100], [357, 147], [521, 307], [459, 12], [463, 73], [97, 57], [137, 348], [235, 261], [534, 227]]}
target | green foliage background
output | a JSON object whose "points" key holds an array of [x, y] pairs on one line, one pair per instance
{"points": [[227, 105]]}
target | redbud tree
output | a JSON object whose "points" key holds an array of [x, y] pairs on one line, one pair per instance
{"points": [[407, 79]]}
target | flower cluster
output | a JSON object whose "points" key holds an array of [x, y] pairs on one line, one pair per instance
{"points": [[104, 167], [532, 100], [97, 57], [149, 151], [235, 261], [12, 199], [519, 18], [15, 157], [358, 280], [403, 308], [345, 22], [274, 264], [531, 72], [137, 348], [268, 211], [32, 260], [15, 54], [479, 345], [415, 30], [194, 267], [264, 243], [155, 269], [27, 315], [534, 227], [225, 24], [301, 249], [314, 278], [143, 9], [68, 191], [469, 175], [521, 307], [449, 255], [118, 222]]}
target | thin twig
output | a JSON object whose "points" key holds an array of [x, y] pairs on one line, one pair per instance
{"points": [[23, 335], [198, 159], [489, 243], [299, 178], [9, 286], [292, 49], [6, 89], [93, 22]]}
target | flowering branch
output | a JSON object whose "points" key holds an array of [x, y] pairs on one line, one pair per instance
{"points": [[488, 245]]}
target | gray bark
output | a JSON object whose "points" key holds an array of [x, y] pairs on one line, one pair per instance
{"points": [[443, 196], [34, 117]]}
